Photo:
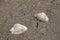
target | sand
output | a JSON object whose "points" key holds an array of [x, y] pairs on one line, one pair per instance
{"points": [[22, 11]]}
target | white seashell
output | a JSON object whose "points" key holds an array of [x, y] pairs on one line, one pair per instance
{"points": [[42, 17], [18, 29]]}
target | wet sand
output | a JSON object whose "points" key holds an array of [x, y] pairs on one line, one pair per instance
{"points": [[22, 11]]}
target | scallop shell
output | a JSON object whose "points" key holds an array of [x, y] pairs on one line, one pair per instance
{"points": [[18, 29], [42, 17]]}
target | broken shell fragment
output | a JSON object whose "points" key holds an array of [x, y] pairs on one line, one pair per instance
{"points": [[18, 29], [42, 17]]}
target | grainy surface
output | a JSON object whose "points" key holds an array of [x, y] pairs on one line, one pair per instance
{"points": [[22, 11]]}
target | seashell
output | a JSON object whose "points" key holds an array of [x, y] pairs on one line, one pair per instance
{"points": [[18, 29], [42, 17]]}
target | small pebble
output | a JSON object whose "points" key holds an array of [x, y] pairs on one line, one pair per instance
{"points": [[18, 29]]}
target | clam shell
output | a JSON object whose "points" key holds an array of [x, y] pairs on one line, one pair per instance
{"points": [[18, 29], [42, 17]]}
